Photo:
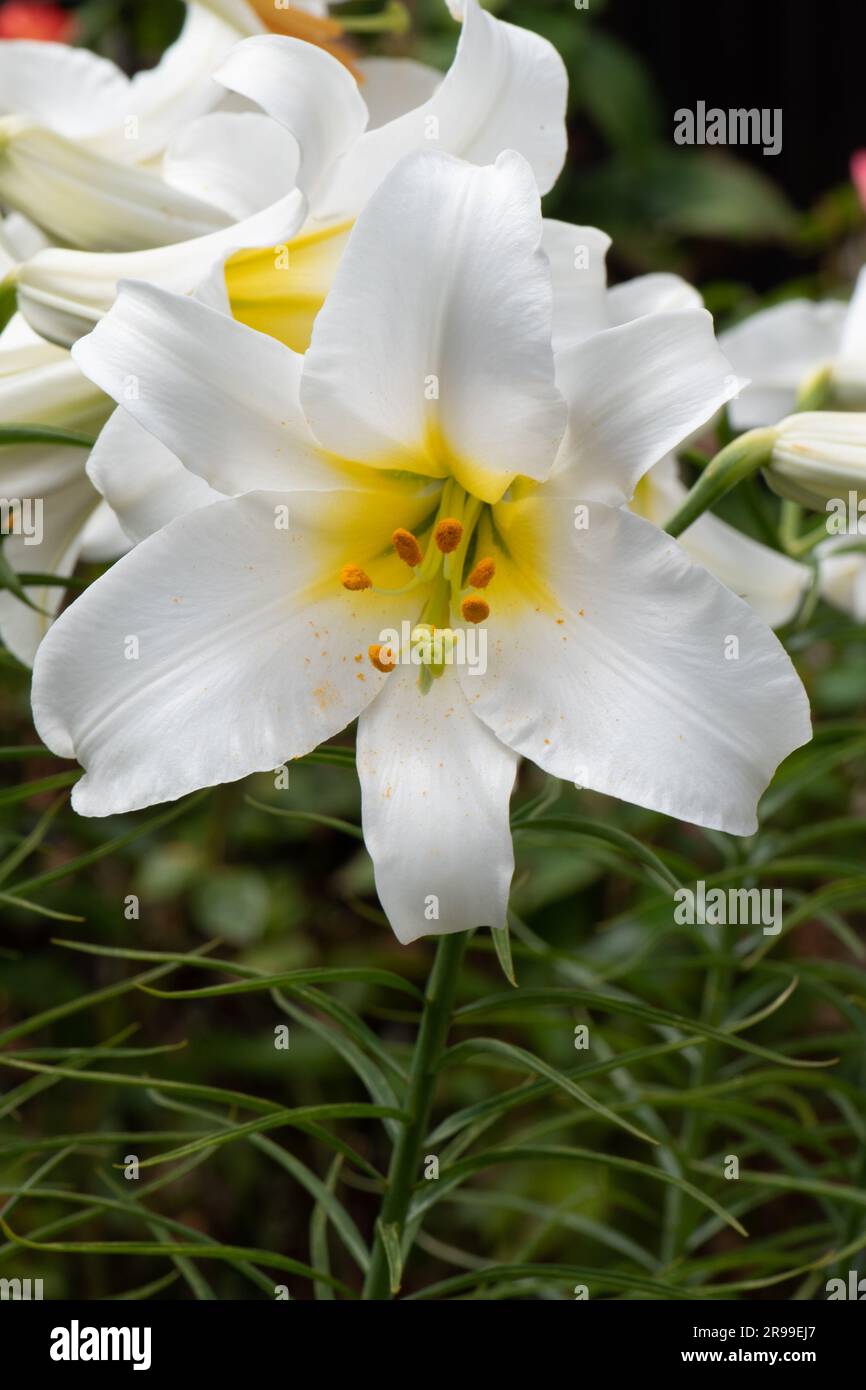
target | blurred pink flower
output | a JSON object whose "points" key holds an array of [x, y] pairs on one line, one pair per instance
{"points": [[31, 19]]}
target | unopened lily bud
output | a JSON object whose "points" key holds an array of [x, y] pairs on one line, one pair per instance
{"points": [[818, 456]]}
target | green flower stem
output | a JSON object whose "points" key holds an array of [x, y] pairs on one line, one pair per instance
{"points": [[394, 19], [790, 523], [403, 1172], [738, 460], [680, 1212]]}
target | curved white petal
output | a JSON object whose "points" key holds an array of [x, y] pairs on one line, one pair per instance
{"points": [[579, 275], [306, 90], [432, 351], [144, 483], [656, 293], [64, 293], [240, 161], [238, 14], [506, 89], [220, 646], [393, 86], [771, 583], [842, 578], [19, 240], [615, 662], [73, 91], [57, 501], [222, 397], [634, 393], [778, 349], [160, 101], [436, 786], [90, 202], [41, 385]]}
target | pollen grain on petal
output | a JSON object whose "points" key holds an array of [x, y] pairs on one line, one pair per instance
{"points": [[448, 534], [482, 573], [354, 578], [475, 610], [407, 547], [381, 657]]}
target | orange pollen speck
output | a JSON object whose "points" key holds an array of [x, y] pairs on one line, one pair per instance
{"points": [[381, 657], [407, 547], [351, 577], [448, 534], [482, 574], [475, 610]]}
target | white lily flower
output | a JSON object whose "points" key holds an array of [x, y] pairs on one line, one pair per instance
{"points": [[412, 447], [306, 123], [821, 455], [73, 124], [781, 349], [80, 141]]}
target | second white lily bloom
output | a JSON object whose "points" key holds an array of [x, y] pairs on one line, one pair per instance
{"points": [[429, 460]]}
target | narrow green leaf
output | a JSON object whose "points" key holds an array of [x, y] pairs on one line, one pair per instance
{"points": [[307, 817], [24, 790], [230, 1253], [324, 975], [529, 1061], [83, 861], [43, 434], [390, 1236], [297, 1117], [502, 943]]}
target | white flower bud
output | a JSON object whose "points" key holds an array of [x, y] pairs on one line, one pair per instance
{"points": [[818, 456]]}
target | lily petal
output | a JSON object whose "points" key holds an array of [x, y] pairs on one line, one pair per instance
{"points": [[660, 686], [656, 293], [222, 397], [506, 89], [53, 480], [634, 393], [72, 90], [393, 86], [64, 293], [436, 786], [306, 90], [240, 161], [842, 578], [579, 275], [144, 483], [220, 646], [90, 202], [162, 100], [432, 351], [778, 349], [771, 583]]}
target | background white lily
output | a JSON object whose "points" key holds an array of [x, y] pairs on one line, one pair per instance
{"points": [[782, 350], [506, 87], [606, 647]]}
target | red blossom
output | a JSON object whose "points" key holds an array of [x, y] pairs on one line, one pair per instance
{"points": [[29, 19]]}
